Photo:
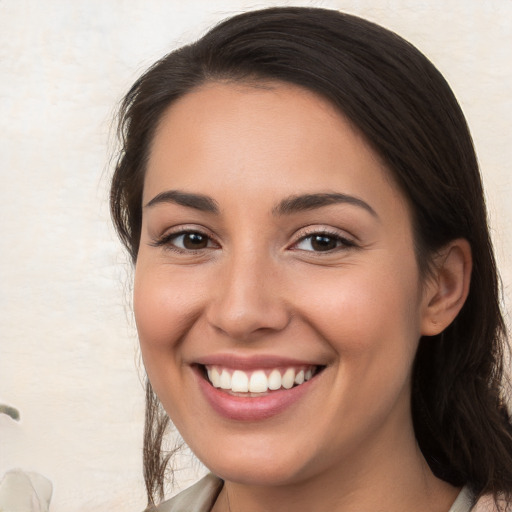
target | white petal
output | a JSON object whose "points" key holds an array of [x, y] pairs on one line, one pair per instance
{"points": [[258, 382], [225, 380], [288, 378], [239, 382], [274, 380]]}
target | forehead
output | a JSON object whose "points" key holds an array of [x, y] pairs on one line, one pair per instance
{"points": [[263, 137], [250, 115]]}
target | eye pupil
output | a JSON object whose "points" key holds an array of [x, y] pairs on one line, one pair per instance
{"points": [[323, 243], [195, 241]]}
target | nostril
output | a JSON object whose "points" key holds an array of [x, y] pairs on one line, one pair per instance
{"points": [[245, 305]]}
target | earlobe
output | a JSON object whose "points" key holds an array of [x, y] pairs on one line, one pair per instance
{"points": [[447, 290]]}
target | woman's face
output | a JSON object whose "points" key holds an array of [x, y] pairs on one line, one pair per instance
{"points": [[276, 252]]}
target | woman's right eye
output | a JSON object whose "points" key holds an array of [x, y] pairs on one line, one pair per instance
{"points": [[185, 241]]}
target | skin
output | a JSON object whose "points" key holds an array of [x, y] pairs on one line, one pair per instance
{"points": [[260, 287]]}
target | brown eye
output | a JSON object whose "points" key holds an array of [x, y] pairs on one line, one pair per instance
{"points": [[323, 243], [192, 241], [185, 241]]}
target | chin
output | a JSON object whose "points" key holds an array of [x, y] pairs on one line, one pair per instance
{"points": [[259, 467], [257, 475]]}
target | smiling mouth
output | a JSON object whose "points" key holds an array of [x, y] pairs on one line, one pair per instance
{"points": [[258, 382]]}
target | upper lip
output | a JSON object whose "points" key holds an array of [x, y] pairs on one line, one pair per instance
{"points": [[253, 362]]}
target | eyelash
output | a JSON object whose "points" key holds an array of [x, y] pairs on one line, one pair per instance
{"points": [[166, 241], [342, 242]]}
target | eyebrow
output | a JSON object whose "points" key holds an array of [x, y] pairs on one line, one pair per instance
{"points": [[199, 202], [300, 203], [288, 206]]}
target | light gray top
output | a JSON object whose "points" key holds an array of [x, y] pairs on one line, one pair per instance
{"points": [[202, 495], [465, 501]]}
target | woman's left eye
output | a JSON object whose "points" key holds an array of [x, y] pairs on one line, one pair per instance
{"points": [[322, 242]]}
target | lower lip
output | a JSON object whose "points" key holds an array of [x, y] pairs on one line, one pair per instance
{"points": [[241, 408]]}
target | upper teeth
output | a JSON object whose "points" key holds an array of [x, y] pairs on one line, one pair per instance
{"points": [[259, 381]]}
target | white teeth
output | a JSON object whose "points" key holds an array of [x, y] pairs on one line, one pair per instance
{"points": [[288, 378], [257, 382], [214, 376], [239, 382], [274, 380], [225, 380]]}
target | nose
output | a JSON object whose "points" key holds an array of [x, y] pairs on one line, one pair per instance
{"points": [[248, 300]]}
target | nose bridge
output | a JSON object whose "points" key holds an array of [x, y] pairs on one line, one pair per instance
{"points": [[249, 295]]}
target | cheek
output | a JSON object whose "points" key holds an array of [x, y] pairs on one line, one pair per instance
{"points": [[164, 308], [369, 318], [359, 302], [164, 313], [371, 324], [151, 308]]}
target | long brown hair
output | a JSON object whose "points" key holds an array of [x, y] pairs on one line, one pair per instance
{"points": [[406, 111]]}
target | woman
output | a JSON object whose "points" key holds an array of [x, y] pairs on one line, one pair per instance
{"points": [[315, 289]]}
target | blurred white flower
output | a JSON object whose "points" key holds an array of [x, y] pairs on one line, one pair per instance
{"points": [[22, 491]]}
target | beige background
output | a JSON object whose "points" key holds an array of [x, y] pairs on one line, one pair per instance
{"points": [[68, 357]]}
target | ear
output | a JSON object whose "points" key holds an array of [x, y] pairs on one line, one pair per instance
{"points": [[447, 289]]}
